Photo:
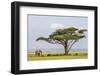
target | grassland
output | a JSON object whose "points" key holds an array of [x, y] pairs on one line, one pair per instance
{"points": [[57, 56]]}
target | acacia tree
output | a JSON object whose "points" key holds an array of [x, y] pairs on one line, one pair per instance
{"points": [[67, 37]]}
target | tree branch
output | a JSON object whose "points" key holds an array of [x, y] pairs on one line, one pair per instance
{"points": [[72, 45], [55, 41], [70, 42]]}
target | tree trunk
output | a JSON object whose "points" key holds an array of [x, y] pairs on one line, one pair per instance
{"points": [[65, 47]]}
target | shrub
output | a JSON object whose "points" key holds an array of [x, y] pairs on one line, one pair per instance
{"points": [[85, 54], [69, 54], [49, 55], [57, 55], [53, 55], [61, 54], [76, 54], [42, 55]]}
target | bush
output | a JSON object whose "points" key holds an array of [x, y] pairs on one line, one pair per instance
{"points": [[76, 54], [49, 55], [42, 55], [69, 54], [57, 55], [85, 54], [61, 54], [53, 55]]}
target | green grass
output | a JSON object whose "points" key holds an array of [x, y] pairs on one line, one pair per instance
{"points": [[72, 55]]}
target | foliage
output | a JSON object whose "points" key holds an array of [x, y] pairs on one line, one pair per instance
{"points": [[66, 37]]}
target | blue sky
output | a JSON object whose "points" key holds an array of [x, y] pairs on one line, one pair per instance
{"points": [[42, 25]]}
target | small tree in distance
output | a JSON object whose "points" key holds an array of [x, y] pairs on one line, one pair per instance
{"points": [[67, 37]]}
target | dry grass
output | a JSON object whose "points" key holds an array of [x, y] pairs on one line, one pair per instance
{"points": [[57, 56]]}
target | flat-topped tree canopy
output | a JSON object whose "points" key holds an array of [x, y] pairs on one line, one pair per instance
{"points": [[66, 37]]}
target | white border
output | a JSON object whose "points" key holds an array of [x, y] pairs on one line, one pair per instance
{"points": [[24, 64]]}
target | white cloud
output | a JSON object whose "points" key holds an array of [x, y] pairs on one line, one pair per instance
{"points": [[61, 26], [57, 26]]}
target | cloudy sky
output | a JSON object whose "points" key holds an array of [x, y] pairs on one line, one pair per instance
{"points": [[39, 25]]}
